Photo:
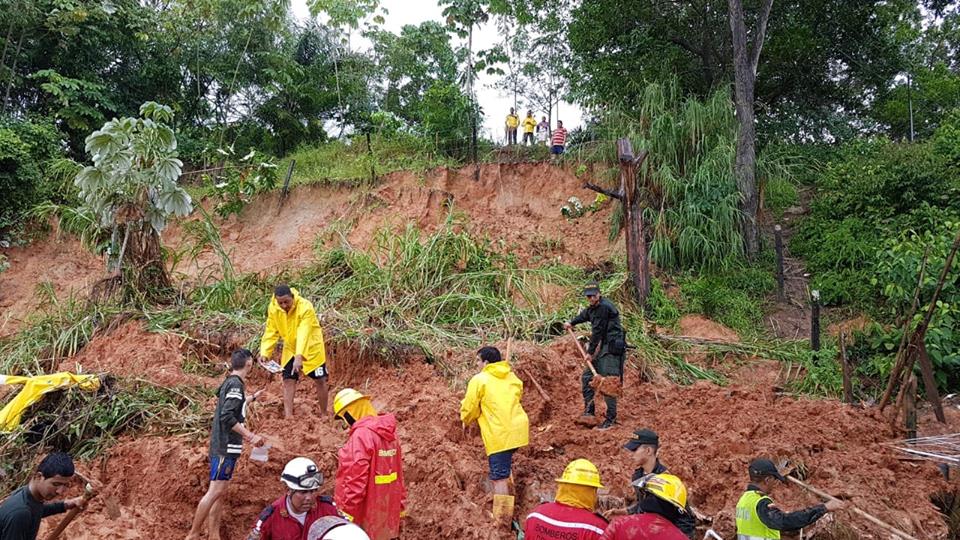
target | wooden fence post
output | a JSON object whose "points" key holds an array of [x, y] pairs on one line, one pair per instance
{"points": [[815, 320], [778, 245]]}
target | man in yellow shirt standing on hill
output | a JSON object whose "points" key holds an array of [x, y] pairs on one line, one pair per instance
{"points": [[292, 318], [511, 125], [493, 401], [529, 124]]}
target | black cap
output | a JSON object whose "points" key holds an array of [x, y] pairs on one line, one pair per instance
{"points": [[765, 467], [591, 289], [642, 437]]}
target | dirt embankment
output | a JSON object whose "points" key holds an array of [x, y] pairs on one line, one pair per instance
{"points": [[709, 434], [517, 206]]}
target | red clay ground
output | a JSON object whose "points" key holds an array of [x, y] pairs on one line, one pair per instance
{"points": [[516, 205], [709, 434]]}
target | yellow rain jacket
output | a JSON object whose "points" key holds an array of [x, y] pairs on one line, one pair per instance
{"points": [[529, 124], [300, 331], [493, 399], [34, 388]]}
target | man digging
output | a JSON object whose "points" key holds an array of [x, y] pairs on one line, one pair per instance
{"points": [[606, 351]]}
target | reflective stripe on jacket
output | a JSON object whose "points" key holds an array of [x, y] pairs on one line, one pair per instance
{"points": [[749, 526], [369, 487], [554, 520]]}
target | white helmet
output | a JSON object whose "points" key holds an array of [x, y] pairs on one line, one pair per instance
{"points": [[301, 474], [335, 528]]}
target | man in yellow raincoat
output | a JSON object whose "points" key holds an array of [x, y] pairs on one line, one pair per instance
{"points": [[493, 401], [292, 318], [34, 388]]}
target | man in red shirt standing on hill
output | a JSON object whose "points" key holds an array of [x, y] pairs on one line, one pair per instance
{"points": [[571, 516], [559, 140], [369, 488]]}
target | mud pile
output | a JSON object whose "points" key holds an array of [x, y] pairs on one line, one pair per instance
{"points": [[709, 434]]}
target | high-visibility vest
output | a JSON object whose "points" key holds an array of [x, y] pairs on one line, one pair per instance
{"points": [[749, 526]]}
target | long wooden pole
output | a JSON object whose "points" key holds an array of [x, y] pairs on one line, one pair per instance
{"points": [[823, 494]]}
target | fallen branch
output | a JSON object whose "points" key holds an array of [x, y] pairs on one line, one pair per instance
{"points": [[615, 194]]}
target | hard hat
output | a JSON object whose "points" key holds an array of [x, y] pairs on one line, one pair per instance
{"points": [[344, 398], [665, 486], [301, 474], [335, 528], [582, 473]]}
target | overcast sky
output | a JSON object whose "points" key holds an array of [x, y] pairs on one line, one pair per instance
{"points": [[495, 105]]}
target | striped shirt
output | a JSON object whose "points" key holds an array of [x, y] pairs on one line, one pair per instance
{"points": [[560, 136]]}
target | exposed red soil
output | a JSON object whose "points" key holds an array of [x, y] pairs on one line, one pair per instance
{"points": [[698, 326], [58, 260], [515, 205], [849, 326], [709, 434]]}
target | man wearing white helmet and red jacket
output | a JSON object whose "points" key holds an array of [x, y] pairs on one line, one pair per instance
{"points": [[290, 516], [369, 488]]}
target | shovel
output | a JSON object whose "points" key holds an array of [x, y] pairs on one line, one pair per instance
{"points": [[793, 471], [605, 385], [89, 491]]}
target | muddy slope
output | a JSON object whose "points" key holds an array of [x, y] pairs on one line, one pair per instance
{"points": [[517, 206]]}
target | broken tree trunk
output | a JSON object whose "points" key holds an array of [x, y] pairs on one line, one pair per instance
{"points": [[631, 196], [900, 357], [637, 261]]}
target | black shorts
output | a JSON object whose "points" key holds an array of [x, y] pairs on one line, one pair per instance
{"points": [[288, 374]]}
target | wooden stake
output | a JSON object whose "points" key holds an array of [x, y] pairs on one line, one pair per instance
{"points": [[778, 245], [910, 407], [815, 320], [929, 383]]}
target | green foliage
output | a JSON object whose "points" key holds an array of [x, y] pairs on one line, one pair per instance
{"points": [[447, 113], [663, 310], [867, 192], [692, 199], [79, 103], [733, 297], [239, 179], [897, 275], [134, 165], [26, 151], [351, 163]]}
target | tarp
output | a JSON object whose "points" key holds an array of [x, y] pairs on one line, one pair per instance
{"points": [[34, 388]]}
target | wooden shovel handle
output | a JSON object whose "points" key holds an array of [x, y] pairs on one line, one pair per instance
{"points": [[583, 353], [889, 528]]}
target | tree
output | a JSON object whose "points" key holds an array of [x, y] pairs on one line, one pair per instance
{"points": [[131, 189], [745, 61], [410, 63], [823, 57]]}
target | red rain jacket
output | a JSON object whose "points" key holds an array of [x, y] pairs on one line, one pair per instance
{"points": [[643, 527], [369, 488], [275, 523], [554, 520]]}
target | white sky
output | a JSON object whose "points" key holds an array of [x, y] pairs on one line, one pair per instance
{"points": [[495, 104]]}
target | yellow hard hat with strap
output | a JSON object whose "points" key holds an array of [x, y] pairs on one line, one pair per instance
{"points": [[582, 473], [666, 487], [344, 398]]}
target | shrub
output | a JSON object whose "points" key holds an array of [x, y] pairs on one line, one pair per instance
{"points": [[26, 149]]}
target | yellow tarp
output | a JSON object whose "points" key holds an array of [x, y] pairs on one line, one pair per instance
{"points": [[34, 388]]}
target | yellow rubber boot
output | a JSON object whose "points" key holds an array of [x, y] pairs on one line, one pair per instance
{"points": [[503, 508]]}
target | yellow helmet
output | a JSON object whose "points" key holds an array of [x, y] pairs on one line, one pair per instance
{"points": [[582, 473], [665, 486], [344, 398]]}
